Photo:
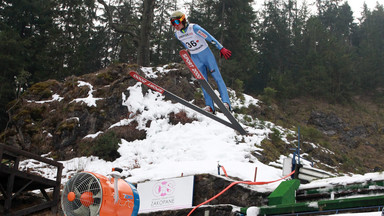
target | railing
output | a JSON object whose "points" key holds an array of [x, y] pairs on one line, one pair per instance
{"points": [[13, 181]]}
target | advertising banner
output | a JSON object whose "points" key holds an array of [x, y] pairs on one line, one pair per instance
{"points": [[166, 194]]}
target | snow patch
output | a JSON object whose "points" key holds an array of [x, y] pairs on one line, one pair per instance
{"points": [[55, 97], [92, 136], [90, 100]]}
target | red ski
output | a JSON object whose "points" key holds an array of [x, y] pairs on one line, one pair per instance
{"points": [[204, 83]]}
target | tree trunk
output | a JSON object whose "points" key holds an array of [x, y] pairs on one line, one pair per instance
{"points": [[143, 51], [141, 41]]}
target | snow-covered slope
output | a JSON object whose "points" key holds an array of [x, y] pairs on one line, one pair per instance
{"points": [[194, 148]]}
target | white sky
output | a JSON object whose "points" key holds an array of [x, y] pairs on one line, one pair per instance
{"points": [[356, 5]]}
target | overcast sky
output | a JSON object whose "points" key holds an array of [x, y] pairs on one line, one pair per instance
{"points": [[356, 5]]}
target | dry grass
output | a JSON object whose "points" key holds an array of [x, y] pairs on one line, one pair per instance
{"points": [[356, 154], [180, 117]]}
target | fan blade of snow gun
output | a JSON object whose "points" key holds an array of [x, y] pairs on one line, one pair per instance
{"points": [[94, 210], [82, 210], [98, 195]]}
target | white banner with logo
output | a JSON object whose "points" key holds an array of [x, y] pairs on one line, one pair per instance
{"points": [[166, 194]]}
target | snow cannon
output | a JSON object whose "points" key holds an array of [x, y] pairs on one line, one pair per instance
{"points": [[93, 194]]}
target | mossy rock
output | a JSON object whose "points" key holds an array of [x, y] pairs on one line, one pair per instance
{"points": [[106, 77], [23, 115], [29, 114], [67, 125], [43, 90], [31, 129]]}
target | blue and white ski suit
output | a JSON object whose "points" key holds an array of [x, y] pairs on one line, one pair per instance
{"points": [[194, 38]]}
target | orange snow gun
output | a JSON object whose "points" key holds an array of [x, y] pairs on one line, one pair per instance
{"points": [[93, 194]]}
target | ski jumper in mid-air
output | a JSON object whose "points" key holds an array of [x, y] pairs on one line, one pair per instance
{"points": [[195, 38]]}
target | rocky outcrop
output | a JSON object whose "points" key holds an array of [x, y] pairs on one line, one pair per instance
{"points": [[207, 186], [55, 116], [331, 125]]}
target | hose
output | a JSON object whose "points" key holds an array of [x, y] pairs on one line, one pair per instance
{"points": [[235, 183]]}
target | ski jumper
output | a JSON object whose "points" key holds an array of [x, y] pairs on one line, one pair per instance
{"points": [[194, 38]]}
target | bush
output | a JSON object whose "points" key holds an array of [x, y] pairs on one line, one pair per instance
{"points": [[275, 136], [105, 146], [238, 86], [273, 147], [269, 95], [312, 134]]}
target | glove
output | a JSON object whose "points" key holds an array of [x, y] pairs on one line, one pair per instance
{"points": [[226, 53]]}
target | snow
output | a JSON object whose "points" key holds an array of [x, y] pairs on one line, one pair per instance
{"points": [[152, 72], [55, 97], [194, 148], [90, 100], [93, 135], [344, 180]]}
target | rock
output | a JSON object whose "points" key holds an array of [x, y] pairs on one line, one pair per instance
{"points": [[41, 124], [207, 186], [329, 124]]}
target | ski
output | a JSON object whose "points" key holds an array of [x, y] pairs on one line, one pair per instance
{"points": [[204, 83], [174, 97]]}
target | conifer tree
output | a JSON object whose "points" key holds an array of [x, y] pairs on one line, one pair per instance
{"points": [[370, 47]]}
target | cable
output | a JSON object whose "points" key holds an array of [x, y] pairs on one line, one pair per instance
{"points": [[235, 183]]}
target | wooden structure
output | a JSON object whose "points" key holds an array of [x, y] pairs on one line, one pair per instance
{"points": [[13, 181]]}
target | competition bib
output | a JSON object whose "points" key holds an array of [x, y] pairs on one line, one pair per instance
{"points": [[195, 42]]}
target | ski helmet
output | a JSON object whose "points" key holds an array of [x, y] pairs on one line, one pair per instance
{"points": [[178, 15]]}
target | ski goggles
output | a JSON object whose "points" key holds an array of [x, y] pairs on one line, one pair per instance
{"points": [[177, 21]]}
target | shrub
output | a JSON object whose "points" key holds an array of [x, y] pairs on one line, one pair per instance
{"points": [[198, 94], [269, 95], [275, 136], [104, 146], [312, 134], [238, 86], [273, 147]]}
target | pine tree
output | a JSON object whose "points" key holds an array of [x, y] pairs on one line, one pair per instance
{"points": [[164, 46], [370, 47], [236, 32], [26, 31], [138, 30], [273, 44]]}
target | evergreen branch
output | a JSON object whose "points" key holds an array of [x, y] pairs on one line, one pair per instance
{"points": [[124, 29]]}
